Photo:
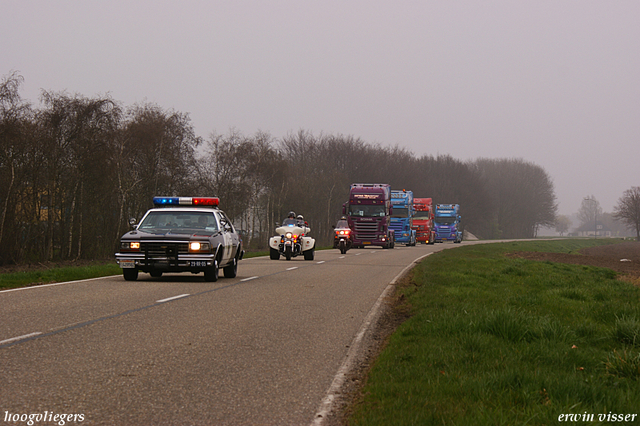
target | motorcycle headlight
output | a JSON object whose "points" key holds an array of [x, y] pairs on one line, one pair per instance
{"points": [[288, 235]]}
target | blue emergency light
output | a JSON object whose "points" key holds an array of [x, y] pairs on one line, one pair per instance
{"points": [[186, 201]]}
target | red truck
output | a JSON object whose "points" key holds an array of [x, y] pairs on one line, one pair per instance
{"points": [[423, 220]]}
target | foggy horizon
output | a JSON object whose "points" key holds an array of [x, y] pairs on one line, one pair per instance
{"points": [[553, 83]]}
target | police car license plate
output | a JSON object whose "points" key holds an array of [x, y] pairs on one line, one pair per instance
{"points": [[127, 264], [198, 263]]}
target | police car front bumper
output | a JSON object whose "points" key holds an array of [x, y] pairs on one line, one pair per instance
{"points": [[183, 261]]}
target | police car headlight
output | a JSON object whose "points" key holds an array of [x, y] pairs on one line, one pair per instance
{"points": [[198, 246], [130, 245]]}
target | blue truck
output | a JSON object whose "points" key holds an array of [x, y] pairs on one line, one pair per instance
{"points": [[402, 217], [447, 223]]}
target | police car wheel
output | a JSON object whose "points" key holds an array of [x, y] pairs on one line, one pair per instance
{"points": [[212, 272], [130, 274], [232, 270]]}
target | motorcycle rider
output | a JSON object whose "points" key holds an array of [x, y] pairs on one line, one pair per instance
{"points": [[290, 220], [301, 221], [342, 224]]}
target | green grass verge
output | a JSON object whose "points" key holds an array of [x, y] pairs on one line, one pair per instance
{"points": [[57, 274], [495, 340]]}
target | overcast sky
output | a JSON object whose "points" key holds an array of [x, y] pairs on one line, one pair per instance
{"points": [[553, 82]]}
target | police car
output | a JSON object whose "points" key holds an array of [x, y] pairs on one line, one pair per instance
{"points": [[181, 234]]}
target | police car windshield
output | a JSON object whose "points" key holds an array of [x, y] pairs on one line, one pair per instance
{"points": [[168, 219]]}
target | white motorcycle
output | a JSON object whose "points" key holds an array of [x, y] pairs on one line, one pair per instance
{"points": [[291, 241]]}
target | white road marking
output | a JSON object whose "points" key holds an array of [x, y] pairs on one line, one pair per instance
{"points": [[249, 279], [13, 339], [342, 257], [54, 284], [291, 269], [322, 261], [172, 298]]}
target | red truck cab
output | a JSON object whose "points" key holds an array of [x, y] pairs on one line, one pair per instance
{"points": [[423, 220]]}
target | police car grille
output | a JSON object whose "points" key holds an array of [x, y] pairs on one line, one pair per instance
{"points": [[160, 249]]}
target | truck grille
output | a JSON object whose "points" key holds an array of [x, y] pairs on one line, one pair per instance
{"points": [[162, 249], [397, 227], [366, 230]]}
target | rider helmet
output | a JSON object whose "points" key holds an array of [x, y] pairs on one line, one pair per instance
{"points": [[300, 217], [292, 215]]}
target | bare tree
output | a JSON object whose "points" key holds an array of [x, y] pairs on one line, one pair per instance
{"points": [[14, 119], [589, 211], [562, 224], [628, 209]]}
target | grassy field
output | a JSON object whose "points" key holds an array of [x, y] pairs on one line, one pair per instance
{"points": [[495, 340]]}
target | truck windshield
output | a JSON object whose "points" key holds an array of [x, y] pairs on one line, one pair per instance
{"points": [[400, 212], [168, 219], [367, 210], [420, 214], [445, 220]]}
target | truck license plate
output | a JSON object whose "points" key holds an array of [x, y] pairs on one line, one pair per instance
{"points": [[127, 264], [198, 263], [366, 242]]}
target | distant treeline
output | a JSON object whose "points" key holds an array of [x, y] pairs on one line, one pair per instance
{"points": [[74, 170]]}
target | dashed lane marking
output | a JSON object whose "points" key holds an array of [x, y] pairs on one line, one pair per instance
{"points": [[172, 298]]}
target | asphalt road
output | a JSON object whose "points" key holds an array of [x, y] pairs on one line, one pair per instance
{"points": [[259, 349]]}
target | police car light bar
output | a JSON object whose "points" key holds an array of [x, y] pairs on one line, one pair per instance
{"points": [[186, 201]]}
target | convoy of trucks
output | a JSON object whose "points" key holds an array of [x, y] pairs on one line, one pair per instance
{"points": [[379, 216], [402, 217], [447, 223], [368, 212], [423, 220]]}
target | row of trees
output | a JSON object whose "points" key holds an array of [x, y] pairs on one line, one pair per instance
{"points": [[624, 221], [75, 169]]}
